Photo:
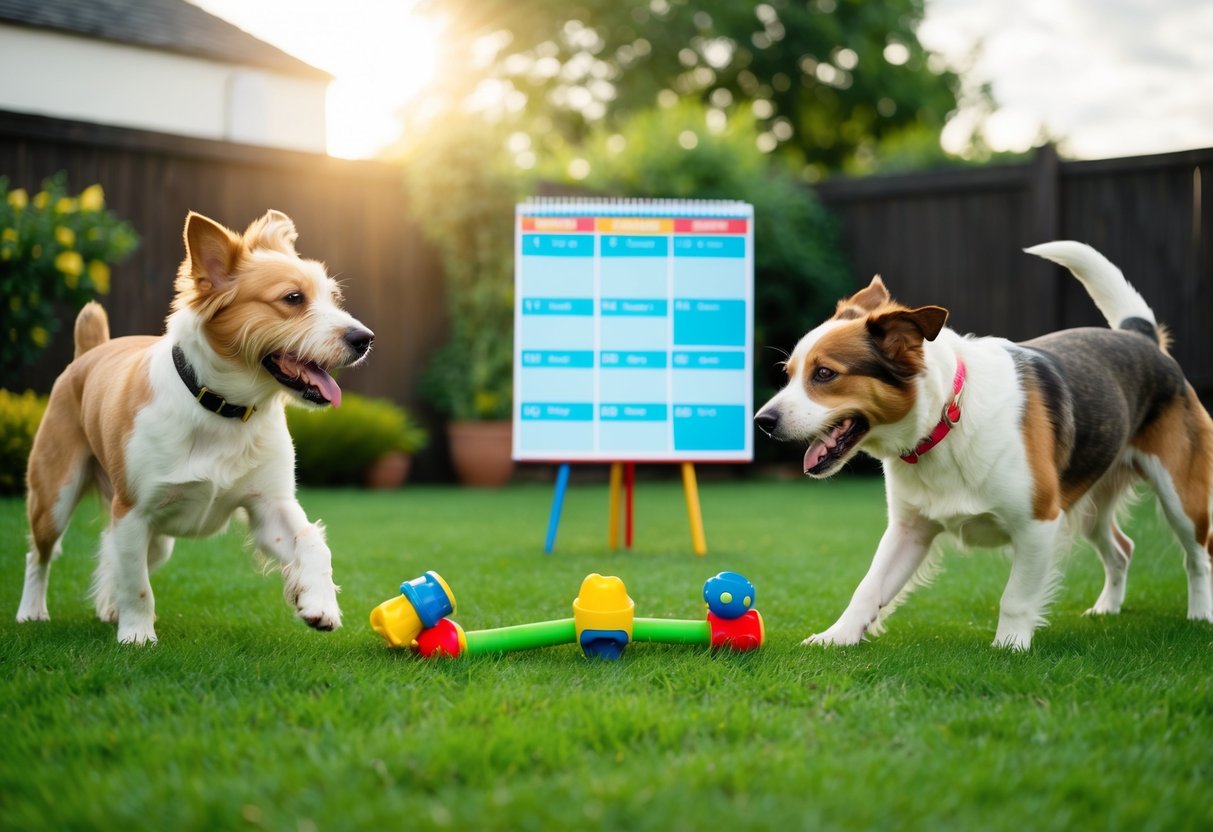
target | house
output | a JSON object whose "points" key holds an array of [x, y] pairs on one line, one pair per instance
{"points": [[159, 65]]}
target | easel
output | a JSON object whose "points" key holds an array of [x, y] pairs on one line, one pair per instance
{"points": [[623, 482]]}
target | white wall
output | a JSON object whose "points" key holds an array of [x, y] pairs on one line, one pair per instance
{"points": [[89, 80]]}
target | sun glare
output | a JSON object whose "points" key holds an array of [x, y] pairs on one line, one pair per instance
{"points": [[385, 72], [381, 54]]}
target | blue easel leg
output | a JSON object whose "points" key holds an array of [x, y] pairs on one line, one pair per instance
{"points": [[562, 485]]}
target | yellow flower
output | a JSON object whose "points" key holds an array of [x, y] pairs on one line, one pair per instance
{"points": [[65, 236], [42, 199], [18, 198], [92, 198], [9, 234], [484, 401], [38, 336], [99, 273], [66, 205], [71, 264], [5, 254], [14, 303]]}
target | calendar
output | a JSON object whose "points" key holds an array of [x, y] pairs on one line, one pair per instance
{"points": [[633, 336]]}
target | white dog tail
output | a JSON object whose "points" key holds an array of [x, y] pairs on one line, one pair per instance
{"points": [[1115, 297]]}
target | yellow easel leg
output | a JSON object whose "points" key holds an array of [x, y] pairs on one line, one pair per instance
{"points": [[613, 519], [698, 541]]}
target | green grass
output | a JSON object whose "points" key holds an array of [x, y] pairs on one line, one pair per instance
{"points": [[243, 718]]}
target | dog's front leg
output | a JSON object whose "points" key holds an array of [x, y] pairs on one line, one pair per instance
{"points": [[901, 551], [281, 528], [1033, 577]]}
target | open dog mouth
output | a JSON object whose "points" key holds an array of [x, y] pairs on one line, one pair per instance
{"points": [[825, 453], [308, 378]]}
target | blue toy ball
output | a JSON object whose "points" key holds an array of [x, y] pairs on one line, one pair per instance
{"points": [[729, 595]]}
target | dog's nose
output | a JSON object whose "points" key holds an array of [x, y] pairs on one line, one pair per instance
{"points": [[359, 339], [768, 420]]}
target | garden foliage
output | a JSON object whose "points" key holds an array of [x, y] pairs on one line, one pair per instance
{"points": [[336, 446], [20, 414], [56, 251]]}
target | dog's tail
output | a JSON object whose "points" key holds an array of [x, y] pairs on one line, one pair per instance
{"points": [[92, 328], [1119, 302]]}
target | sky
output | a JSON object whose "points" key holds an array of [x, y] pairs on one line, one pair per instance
{"points": [[1106, 78]]}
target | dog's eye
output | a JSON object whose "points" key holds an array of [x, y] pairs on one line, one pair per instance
{"points": [[823, 374], [294, 299]]}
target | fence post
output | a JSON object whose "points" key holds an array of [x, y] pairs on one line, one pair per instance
{"points": [[1042, 224]]}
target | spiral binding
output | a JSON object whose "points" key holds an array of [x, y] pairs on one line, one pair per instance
{"points": [[564, 206]]}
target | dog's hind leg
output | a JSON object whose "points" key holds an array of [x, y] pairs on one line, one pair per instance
{"points": [[58, 473], [1176, 456], [1115, 550], [160, 550], [1033, 578], [1114, 547], [1192, 533]]}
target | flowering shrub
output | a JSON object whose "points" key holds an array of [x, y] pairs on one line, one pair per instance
{"points": [[20, 414], [55, 250]]}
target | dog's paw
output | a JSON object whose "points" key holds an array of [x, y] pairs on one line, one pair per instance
{"points": [[1102, 609], [1014, 642], [138, 633], [835, 637], [24, 615], [320, 612]]}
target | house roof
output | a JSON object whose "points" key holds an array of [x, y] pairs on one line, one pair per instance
{"points": [[168, 25]]}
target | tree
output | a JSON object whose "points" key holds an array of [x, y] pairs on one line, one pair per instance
{"points": [[828, 81]]}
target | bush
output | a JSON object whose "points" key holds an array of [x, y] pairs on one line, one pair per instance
{"points": [[54, 249], [20, 414], [460, 178], [336, 446]]}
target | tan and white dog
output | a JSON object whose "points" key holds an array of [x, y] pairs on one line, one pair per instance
{"points": [[181, 430], [998, 443]]}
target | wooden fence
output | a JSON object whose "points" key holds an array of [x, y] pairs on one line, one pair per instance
{"points": [[954, 238], [354, 216], [947, 237]]}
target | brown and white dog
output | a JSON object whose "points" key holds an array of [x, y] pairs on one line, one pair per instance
{"points": [[999, 443], [181, 430]]}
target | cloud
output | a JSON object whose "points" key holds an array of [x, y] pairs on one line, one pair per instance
{"points": [[1109, 77]]}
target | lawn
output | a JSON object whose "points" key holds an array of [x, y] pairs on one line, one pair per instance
{"points": [[243, 718]]}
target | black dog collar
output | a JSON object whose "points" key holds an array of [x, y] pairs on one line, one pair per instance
{"points": [[206, 397]]}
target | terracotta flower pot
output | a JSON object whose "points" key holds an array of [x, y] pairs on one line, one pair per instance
{"points": [[481, 452], [389, 471]]}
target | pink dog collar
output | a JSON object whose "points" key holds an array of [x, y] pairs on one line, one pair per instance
{"points": [[951, 415]]}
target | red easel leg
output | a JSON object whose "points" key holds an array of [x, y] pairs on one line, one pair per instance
{"points": [[629, 483]]}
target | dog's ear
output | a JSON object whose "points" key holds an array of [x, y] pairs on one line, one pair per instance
{"points": [[211, 254], [866, 300], [274, 231], [900, 330]]}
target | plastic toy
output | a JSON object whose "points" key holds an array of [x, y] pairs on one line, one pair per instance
{"points": [[603, 621]]}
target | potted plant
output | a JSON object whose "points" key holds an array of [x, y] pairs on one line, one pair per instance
{"points": [[466, 195], [366, 441]]}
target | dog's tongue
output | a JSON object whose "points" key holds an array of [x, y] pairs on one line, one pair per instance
{"points": [[314, 375], [814, 455], [821, 448]]}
